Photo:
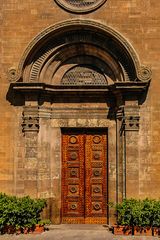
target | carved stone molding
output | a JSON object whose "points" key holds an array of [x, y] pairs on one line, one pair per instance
{"points": [[120, 118], [120, 113], [53, 63], [30, 119], [115, 41], [52, 46]]}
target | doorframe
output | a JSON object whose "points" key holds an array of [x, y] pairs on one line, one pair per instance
{"points": [[37, 100]]}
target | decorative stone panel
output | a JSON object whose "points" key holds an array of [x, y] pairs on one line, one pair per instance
{"points": [[131, 118], [84, 75], [30, 119], [86, 33]]}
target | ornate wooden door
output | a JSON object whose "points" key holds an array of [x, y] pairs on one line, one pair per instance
{"points": [[84, 180]]}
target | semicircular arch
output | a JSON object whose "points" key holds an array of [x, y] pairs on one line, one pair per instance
{"points": [[79, 34]]}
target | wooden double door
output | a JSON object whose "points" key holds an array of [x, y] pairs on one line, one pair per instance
{"points": [[84, 176]]}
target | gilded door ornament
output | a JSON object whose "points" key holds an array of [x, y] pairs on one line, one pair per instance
{"points": [[72, 139], [96, 139], [73, 206], [73, 173], [73, 155], [96, 156], [97, 206], [96, 190], [73, 189], [96, 172]]}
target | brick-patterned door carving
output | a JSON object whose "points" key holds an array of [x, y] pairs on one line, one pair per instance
{"points": [[84, 176]]}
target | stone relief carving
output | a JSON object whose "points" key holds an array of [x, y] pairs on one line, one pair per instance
{"points": [[30, 124], [132, 123], [12, 74], [129, 122], [113, 40], [30, 120], [143, 73], [129, 117]]}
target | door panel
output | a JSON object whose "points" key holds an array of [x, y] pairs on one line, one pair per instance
{"points": [[72, 178], [95, 178], [84, 184]]}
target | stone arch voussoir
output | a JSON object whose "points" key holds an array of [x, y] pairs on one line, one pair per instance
{"points": [[51, 41]]}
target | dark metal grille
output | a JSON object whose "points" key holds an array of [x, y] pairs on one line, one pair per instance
{"points": [[80, 5], [84, 75]]}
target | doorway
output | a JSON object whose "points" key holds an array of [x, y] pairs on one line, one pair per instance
{"points": [[84, 176]]}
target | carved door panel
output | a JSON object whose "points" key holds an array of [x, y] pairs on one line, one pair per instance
{"points": [[84, 184], [95, 178], [72, 178]]}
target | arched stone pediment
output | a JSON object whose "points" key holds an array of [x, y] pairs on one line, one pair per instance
{"points": [[72, 42]]}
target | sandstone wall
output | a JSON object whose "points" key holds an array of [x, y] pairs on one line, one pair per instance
{"points": [[139, 22]]}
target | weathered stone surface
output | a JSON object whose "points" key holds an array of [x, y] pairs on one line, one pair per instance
{"points": [[30, 161]]}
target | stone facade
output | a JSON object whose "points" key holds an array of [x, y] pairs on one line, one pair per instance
{"points": [[41, 43]]}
